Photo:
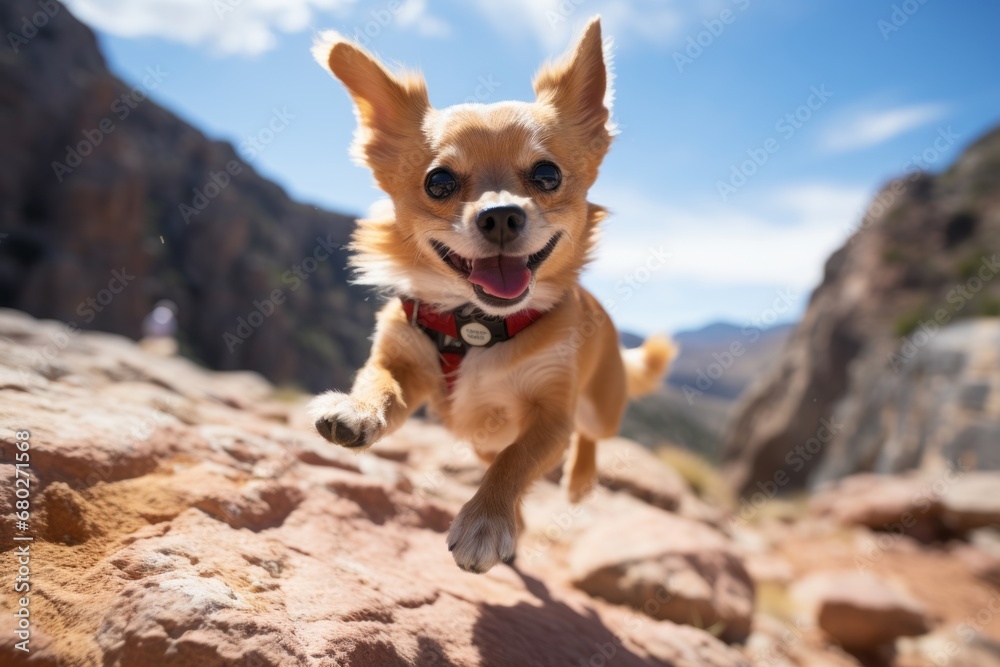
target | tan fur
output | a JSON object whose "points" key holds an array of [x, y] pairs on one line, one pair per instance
{"points": [[646, 365], [520, 403]]}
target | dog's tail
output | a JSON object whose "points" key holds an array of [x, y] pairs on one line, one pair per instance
{"points": [[646, 365]]}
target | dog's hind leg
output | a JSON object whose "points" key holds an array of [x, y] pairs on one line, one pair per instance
{"points": [[580, 471]]}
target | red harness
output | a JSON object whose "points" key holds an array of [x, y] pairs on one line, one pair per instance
{"points": [[456, 331]]}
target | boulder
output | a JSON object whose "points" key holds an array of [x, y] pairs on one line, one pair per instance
{"points": [[973, 501], [900, 504], [925, 505], [624, 465], [668, 567], [961, 646], [858, 610], [873, 501]]}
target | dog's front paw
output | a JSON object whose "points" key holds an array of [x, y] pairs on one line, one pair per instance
{"points": [[480, 538], [346, 422]]}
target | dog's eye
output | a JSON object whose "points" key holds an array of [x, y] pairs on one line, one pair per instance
{"points": [[546, 176], [440, 183]]}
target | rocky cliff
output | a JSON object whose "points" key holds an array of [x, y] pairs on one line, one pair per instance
{"points": [[882, 374], [109, 202]]}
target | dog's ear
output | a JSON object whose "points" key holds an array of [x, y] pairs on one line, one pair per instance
{"points": [[579, 87], [390, 108]]}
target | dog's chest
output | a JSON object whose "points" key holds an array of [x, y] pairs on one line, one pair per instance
{"points": [[484, 408], [489, 402]]}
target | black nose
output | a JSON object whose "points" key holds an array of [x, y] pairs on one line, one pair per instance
{"points": [[501, 224]]}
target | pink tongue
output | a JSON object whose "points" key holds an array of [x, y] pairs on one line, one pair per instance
{"points": [[502, 276]]}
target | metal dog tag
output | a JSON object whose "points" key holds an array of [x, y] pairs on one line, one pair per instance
{"points": [[476, 334]]}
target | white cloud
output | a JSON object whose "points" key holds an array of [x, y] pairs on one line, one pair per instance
{"points": [[870, 128], [553, 23], [243, 27], [783, 240], [249, 27], [413, 15]]}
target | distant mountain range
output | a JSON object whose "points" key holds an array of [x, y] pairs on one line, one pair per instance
{"points": [[723, 359], [715, 366]]}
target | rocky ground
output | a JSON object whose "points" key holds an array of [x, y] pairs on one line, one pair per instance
{"points": [[185, 517]]}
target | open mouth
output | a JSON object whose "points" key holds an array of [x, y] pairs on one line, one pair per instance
{"points": [[500, 280]]}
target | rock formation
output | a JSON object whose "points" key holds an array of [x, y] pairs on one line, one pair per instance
{"points": [[859, 610], [109, 202], [887, 370]]}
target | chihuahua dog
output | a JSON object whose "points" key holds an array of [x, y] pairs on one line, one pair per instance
{"points": [[480, 246]]}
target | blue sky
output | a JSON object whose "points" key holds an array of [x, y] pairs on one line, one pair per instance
{"points": [[753, 132]]}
